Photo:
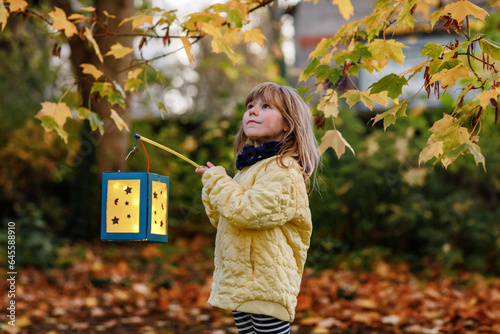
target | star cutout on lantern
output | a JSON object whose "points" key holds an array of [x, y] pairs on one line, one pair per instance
{"points": [[161, 223], [116, 201], [115, 220], [128, 190], [126, 203], [162, 206], [156, 222], [155, 194], [128, 216]]}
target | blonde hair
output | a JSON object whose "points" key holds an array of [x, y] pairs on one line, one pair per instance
{"points": [[299, 142]]}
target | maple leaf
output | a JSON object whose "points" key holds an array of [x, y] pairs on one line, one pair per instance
{"points": [[236, 12], [61, 22], [138, 20], [94, 120], [90, 38], [187, 48], [385, 50], [88, 9], [78, 17], [133, 82], [328, 103], [345, 8], [92, 70], [449, 77], [17, 5], [432, 150], [334, 139], [53, 117], [353, 96], [490, 47], [390, 116], [4, 15], [106, 89], [391, 83], [485, 97], [458, 10], [119, 51], [254, 35], [120, 123], [432, 50]]}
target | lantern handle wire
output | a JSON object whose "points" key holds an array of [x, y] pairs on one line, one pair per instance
{"points": [[139, 137]]}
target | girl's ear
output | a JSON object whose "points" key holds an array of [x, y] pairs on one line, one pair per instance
{"points": [[286, 128]]}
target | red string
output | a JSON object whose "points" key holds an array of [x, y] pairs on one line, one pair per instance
{"points": [[145, 152]]}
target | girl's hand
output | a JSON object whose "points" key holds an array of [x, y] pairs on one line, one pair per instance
{"points": [[203, 169]]}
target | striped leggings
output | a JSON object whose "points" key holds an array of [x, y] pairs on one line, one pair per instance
{"points": [[248, 323]]}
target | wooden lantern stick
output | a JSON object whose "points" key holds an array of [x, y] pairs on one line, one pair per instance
{"points": [[137, 136]]}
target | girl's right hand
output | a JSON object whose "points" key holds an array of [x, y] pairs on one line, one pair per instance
{"points": [[203, 169]]}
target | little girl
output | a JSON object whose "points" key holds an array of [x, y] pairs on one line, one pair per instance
{"points": [[262, 215]]}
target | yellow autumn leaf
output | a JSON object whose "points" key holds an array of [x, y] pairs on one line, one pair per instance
{"points": [[385, 50], [17, 5], [254, 35], [484, 97], [329, 103], [77, 18], [345, 8], [120, 123], [211, 30], [138, 20], [449, 77], [334, 139], [58, 111], [92, 70], [88, 9], [119, 51], [430, 151], [460, 9], [90, 38], [187, 47], [4, 15], [133, 74], [61, 22]]}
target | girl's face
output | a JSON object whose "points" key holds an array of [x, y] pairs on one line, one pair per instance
{"points": [[263, 122]]}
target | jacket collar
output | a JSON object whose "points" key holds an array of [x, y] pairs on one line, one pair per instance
{"points": [[250, 155]]}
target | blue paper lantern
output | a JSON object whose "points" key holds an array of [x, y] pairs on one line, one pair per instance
{"points": [[134, 207]]}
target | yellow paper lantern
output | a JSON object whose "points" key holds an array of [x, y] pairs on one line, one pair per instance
{"points": [[134, 207]]}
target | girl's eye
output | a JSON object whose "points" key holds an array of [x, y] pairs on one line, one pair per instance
{"points": [[250, 106], [266, 106]]}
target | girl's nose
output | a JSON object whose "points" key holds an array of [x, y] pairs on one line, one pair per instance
{"points": [[253, 110]]}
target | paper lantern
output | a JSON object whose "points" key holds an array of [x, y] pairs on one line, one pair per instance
{"points": [[134, 207]]}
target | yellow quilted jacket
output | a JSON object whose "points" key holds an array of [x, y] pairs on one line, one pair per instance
{"points": [[264, 227]]}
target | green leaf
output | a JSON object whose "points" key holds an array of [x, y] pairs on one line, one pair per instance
{"points": [[94, 119], [390, 116], [50, 124], [490, 47], [327, 72], [308, 71], [354, 55], [432, 50], [105, 89], [321, 48], [353, 96], [391, 83]]}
